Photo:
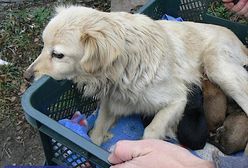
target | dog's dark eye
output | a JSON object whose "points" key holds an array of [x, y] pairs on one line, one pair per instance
{"points": [[59, 56]]}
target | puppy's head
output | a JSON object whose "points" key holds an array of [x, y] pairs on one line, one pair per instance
{"points": [[77, 41]]}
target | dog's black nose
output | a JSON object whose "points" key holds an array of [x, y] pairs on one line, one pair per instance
{"points": [[29, 75]]}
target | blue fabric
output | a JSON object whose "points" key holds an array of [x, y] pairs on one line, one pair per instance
{"points": [[230, 161], [126, 128], [168, 17], [75, 126]]}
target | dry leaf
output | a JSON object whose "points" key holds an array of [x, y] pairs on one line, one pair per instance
{"points": [[18, 137], [3, 78], [18, 127], [36, 40], [11, 99], [23, 87]]}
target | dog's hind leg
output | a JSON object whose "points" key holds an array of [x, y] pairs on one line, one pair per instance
{"points": [[227, 71], [169, 115]]}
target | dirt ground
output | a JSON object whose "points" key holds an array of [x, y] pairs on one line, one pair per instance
{"points": [[20, 42]]}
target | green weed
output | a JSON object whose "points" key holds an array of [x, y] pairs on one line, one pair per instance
{"points": [[218, 9]]}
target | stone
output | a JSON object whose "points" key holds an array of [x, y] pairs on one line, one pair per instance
{"points": [[126, 5]]}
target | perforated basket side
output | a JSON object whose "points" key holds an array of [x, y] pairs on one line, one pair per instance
{"points": [[48, 101], [66, 156], [192, 10], [187, 9]]}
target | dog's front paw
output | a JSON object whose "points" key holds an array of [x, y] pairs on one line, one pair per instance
{"points": [[96, 137], [151, 133]]}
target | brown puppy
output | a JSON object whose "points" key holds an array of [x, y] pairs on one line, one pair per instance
{"points": [[231, 137], [214, 104]]}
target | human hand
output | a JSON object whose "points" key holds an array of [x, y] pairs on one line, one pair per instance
{"points": [[154, 153], [240, 8]]}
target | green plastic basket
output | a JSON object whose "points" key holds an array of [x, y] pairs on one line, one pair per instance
{"points": [[48, 101], [192, 10]]}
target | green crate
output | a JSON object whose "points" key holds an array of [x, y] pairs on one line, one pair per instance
{"points": [[48, 101]]}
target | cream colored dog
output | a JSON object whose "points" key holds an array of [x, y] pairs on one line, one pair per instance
{"points": [[134, 64]]}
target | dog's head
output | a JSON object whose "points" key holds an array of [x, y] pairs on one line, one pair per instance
{"points": [[77, 41]]}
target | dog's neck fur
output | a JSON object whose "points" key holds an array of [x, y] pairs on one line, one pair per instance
{"points": [[139, 67], [129, 74]]}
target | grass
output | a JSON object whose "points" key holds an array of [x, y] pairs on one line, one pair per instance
{"points": [[20, 36], [218, 9], [20, 41]]}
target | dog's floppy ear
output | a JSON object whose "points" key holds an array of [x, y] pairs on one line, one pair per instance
{"points": [[101, 48]]}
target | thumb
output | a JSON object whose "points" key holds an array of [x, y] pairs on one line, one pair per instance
{"points": [[227, 1], [229, 5], [240, 5], [127, 150]]}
